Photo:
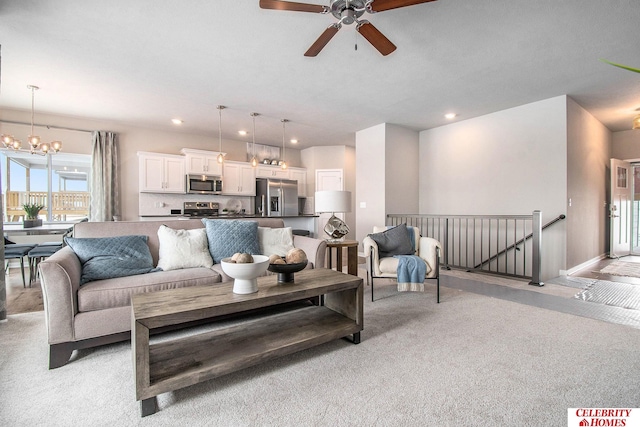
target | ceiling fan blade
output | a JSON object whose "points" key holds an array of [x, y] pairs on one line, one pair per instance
{"points": [[376, 38], [322, 41], [290, 5], [382, 5]]}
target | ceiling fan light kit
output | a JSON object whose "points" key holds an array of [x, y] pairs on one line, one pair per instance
{"points": [[347, 12]]}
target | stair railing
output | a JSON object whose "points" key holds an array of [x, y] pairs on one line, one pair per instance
{"points": [[509, 245]]}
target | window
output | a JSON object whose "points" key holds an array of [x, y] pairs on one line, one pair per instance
{"points": [[29, 178]]}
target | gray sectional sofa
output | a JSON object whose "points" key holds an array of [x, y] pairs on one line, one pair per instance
{"points": [[98, 312]]}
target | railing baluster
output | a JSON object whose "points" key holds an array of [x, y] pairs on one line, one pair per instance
{"points": [[462, 250]]}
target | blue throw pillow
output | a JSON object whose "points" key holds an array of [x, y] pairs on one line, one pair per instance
{"points": [[394, 241], [228, 236], [109, 257]]}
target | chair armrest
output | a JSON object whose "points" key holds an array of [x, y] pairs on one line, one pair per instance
{"points": [[371, 252], [60, 280], [429, 250], [316, 249]]}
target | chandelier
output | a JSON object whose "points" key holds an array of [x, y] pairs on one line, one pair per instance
{"points": [[35, 145]]}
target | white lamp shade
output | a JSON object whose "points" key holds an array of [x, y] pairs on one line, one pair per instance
{"points": [[333, 201]]}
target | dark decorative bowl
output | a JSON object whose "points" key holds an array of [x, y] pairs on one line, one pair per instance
{"points": [[285, 271]]}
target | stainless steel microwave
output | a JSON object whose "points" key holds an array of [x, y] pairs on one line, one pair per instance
{"points": [[204, 184]]}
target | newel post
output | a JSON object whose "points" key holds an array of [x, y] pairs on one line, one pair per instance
{"points": [[536, 268]]}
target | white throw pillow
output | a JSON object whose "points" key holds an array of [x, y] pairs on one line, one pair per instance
{"points": [[183, 248], [275, 240]]}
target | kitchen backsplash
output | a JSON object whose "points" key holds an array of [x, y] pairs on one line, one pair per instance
{"points": [[155, 204]]}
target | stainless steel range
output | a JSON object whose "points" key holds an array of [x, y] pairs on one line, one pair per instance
{"points": [[200, 209]]}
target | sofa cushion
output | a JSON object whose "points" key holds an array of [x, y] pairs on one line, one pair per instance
{"points": [[111, 293], [110, 257], [183, 249], [275, 240], [394, 241], [226, 237]]}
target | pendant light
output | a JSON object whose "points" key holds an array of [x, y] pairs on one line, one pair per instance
{"points": [[35, 145], [284, 163], [254, 161], [220, 156], [636, 122]]}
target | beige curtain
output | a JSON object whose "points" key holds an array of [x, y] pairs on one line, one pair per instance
{"points": [[105, 189]]}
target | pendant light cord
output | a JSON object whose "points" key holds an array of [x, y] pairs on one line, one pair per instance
{"points": [[220, 156], [284, 162]]}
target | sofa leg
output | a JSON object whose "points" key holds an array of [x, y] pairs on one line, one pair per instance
{"points": [[59, 354]]}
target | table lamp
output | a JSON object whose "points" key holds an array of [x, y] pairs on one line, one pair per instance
{"points": [[334, 201]]}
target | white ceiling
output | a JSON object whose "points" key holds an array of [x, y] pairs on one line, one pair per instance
{"points": [[147, 61]]}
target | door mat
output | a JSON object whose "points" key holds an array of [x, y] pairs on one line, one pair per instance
{"points": [[612, 293], [622, 268]]}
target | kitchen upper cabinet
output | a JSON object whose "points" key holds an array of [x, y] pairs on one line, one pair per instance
{"points": [[271, 172], [161, 173], [239, 179], [300, 175], [201, 162]]}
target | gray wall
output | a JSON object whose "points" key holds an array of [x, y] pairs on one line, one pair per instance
{"points": [[588, 153], [401, 170], [370, 179], [510, 162], [386, 174]]}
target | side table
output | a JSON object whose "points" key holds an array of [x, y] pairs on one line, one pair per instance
{"points": [[352, 255]]}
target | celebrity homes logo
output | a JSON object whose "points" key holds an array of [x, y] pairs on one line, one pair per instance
{"points": [[603, 417]]}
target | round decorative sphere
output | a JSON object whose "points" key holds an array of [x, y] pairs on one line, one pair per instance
{"points": [[245, 274], [285, 271]]}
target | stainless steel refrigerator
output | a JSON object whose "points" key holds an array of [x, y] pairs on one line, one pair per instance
{"points": [[276, 197]]}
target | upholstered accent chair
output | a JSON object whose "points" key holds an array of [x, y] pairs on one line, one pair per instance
{"points": [[381, 266]]}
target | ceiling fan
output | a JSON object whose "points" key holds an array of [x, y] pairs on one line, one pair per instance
{"points": [[347, 12]]}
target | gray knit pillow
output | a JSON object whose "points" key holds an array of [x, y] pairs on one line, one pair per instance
{"points": [[394, 241], [109, 257]]}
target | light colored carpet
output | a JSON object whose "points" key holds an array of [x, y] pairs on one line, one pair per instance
{"points": [[469, 361], [622, 268]]}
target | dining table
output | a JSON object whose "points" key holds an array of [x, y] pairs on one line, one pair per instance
{"points": [[49, 228]]}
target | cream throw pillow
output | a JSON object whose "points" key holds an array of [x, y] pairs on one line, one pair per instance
{"points": [[183, 248], [275, 240]]}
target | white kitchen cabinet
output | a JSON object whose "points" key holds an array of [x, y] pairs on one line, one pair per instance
{"points": [[272, 172], [239, 179], [201, 162], [300, 175], [161, 173]]}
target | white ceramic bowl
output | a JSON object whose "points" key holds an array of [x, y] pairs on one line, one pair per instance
{"points": [[245, 275]]}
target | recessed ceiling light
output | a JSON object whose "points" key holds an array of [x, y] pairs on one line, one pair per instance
{"points": [[294, 141], [176, 121], [243, 132], [450, 116]]}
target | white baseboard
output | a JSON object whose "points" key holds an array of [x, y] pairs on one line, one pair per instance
{"points": [[582, 266]]}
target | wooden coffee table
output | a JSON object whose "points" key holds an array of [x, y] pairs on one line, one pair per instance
{"points": [[170, 365]]}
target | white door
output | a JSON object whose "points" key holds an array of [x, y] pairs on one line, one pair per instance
{"points": [[620, 208], [328, 180]]}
